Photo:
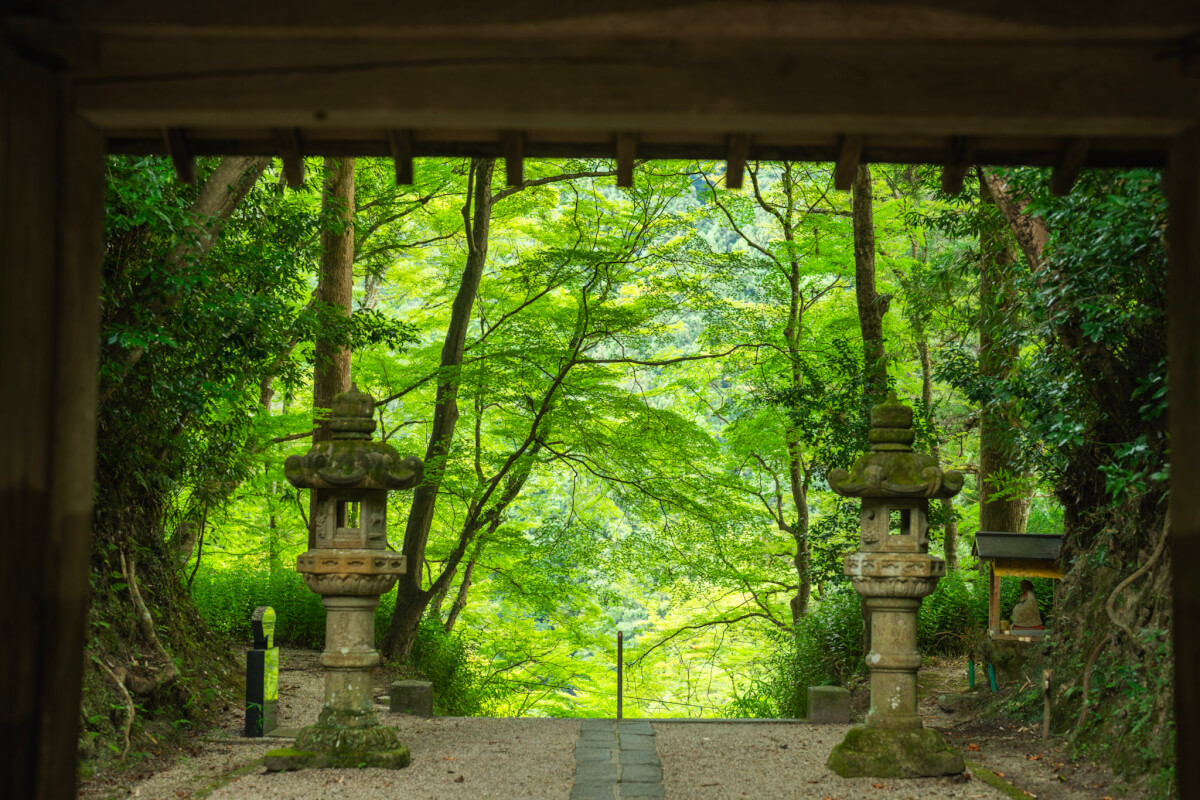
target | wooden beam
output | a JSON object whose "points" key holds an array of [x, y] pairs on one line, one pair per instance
{"points": [[287, 140], [514, 157], [1066, 171], [1042, 151], [762, 86], [962, 156], [51, 246], [849, 154], [400, 143], [181, 155], [735, 159], [1183, 359], [626, 153], [1028, 568], [975, 20]]}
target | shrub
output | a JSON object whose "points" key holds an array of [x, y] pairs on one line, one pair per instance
{"points": [[447, 661], [825, 648], [226, 598]]}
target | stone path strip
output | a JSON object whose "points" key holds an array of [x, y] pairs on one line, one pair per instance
{"points": [[616, 760]]}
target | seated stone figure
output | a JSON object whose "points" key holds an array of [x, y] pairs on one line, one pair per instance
{"points": [[1025, 614]]}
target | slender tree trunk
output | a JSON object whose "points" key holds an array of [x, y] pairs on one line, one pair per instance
{"points": [[871, 305], [871, 308], [411, 599], [331, 373], [950, 542], [998, 461], [795, 456], [460, 600]]}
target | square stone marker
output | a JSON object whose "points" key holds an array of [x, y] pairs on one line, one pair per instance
{"points": [[828, 705], [411, 697]]}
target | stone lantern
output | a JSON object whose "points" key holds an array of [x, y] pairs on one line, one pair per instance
{"points": [[893, 570], [350, 567]]}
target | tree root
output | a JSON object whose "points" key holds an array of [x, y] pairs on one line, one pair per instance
{"points": [[170, 672], [129, 707], [1111, 608]]}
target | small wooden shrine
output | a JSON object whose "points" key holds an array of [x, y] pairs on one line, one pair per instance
{"points": [[1026, 555]]}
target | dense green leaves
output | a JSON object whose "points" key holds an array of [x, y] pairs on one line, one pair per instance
{"points": [[655, 383]]}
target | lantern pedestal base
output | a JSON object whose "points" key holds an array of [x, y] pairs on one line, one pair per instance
{"points": [[883, 753], [335, 746]]}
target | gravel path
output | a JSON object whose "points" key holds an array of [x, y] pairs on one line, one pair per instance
{"points": [[562, 759], [727, 760], [451, 758]]}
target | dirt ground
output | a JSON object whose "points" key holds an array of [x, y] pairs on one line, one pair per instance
{"points": [[220, 757], [1014, 752]]}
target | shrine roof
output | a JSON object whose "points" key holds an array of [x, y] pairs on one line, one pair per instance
{"points": [[992, 545]]}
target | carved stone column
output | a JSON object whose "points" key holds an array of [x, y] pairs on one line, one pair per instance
{"points": [[893, 570], [350, 567]]}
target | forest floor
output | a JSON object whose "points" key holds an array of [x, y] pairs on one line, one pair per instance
{"points": [[534, 758]]}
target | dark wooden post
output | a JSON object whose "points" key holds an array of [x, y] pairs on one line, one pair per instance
{"points": [[51, 234], [1183, 349], [993, 601], [620, 673]]}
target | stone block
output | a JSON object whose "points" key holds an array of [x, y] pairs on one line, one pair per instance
{"points": [[828, 705], [640, 773], [960, 702], [411, 697], [878, 753]]}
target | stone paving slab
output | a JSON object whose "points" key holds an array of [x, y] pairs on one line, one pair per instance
{"points": [[616, 760]]}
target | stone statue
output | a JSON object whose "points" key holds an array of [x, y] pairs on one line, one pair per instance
{"points": [[1025, 614]]}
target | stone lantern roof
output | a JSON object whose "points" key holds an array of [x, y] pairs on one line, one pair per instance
{"points": [[350, 460], [892, 469]]}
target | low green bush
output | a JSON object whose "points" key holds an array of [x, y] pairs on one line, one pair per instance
{"points": [[447, 661], [826, 648], [226, 598]]}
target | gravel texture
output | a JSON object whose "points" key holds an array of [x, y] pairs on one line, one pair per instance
{"points": [[537, 758], [726, 760], [451, 757]]}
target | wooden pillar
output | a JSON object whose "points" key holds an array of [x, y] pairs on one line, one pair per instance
{"points": [[993, 600], [51, 238], [1183, 348]]}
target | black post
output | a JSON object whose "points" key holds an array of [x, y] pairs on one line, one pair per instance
{"points": [[620, 671], [262, 675]]}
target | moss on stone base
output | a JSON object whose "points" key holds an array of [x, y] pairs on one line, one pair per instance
{"points": [[878, 753], [325, 746]]}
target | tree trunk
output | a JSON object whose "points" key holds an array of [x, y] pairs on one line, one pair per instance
{"points": [[460, 600], [335, 288], [998, 462], [871, 308], [871, 305], [411, 599], [950, 542]]}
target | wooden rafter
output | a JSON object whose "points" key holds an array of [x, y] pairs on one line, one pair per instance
{"points": [[849, 154], [400, 143], [287, 140]]}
